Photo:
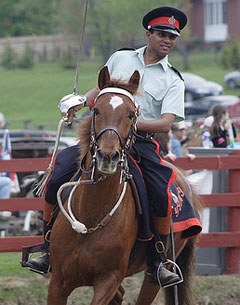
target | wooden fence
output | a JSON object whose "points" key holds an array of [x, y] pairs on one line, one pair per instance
{"points": [[229, 239]]}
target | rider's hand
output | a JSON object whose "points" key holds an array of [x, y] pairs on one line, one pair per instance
{"points": [[70, 104]]}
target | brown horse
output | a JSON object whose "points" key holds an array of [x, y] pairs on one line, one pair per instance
{"points": [[100, 255]]}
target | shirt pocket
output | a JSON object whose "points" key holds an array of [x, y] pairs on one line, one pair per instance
{"points": [[155, 91]]}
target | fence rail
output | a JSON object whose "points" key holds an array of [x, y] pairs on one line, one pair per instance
{"points": [[231, 200]]}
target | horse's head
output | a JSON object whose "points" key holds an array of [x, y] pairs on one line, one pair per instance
{"points": [[113, 121]]}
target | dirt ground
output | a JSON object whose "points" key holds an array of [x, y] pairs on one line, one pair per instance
{"points": [[209, 290]]}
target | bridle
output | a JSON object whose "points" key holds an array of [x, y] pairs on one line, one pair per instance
{"points": [[124, 143], [95, 178]]}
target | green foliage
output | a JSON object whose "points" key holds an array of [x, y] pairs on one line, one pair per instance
{"points": [[27, 17], [230, 57], [110, 24], [69, 59], [27, 59], [9, 58], [235, 56]]}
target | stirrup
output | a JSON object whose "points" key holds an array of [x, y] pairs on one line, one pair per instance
{"points": [[41, 272], [177, 271], [42, 268]]}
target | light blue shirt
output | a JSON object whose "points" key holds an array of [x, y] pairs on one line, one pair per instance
{"points": [[5, 187], [176, 146], [161, 90]]}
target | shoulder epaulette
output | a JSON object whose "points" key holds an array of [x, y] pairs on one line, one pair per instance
{"points": [[127, 49], [177, 72]]}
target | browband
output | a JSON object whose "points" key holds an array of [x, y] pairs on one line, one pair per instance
{"points": [[118, 90]]}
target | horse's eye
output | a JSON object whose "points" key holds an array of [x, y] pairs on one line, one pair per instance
{"points": [[131, 115]]}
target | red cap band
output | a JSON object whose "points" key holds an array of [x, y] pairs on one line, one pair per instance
{"points": [[171, 21]]}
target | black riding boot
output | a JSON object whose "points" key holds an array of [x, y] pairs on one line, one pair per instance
{"points": [[156, 261], [41, 264]]}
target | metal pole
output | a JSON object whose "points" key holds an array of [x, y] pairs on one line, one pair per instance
{"points": [[77, 74]]}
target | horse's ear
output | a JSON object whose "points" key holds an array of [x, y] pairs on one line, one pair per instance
{"points": [[103, 78], [134, 81]]}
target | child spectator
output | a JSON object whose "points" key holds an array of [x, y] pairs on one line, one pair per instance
{"points": [[220, 127]]}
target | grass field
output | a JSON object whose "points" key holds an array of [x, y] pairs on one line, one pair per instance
{"points": [[18, 286], [33, 95]]}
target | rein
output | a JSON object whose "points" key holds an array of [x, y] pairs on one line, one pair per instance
{"points": [[78, 226], [124, 176]]}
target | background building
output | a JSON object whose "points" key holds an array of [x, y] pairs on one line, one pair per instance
{"points": [[215, 20]]}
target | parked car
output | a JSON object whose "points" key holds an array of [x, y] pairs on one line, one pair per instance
{"points": [[197, 87], [35, 144], [232, 79], [202, 107]]}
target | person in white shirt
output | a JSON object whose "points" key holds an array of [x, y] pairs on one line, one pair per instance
{"points": [[161, 100]]}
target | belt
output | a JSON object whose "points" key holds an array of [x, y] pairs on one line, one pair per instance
{"points": [[145, 135]]}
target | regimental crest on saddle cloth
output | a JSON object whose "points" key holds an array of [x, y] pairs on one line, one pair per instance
{"points": [[178, 196]]}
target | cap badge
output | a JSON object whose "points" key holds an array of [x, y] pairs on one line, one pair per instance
{"points": [[171, 20]]}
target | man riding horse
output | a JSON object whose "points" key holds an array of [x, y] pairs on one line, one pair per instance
{"points": [[161, 100]]}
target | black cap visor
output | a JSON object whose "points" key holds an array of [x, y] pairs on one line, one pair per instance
{"points": [[165, 28]]}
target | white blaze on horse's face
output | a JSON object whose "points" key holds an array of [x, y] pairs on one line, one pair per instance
{"points": [[116, 101]]}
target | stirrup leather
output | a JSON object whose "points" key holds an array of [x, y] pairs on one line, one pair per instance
{"points": [[176, 269]]}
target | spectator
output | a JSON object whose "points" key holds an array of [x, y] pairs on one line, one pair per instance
{"points": [[5, 187], [5, 191], [206, 135], [5, 182], [178, 134], [220, 127]]}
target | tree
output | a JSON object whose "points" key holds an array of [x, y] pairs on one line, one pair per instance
{"points": [[230, 56], [27, 17], [9, 58], [111, 24]]}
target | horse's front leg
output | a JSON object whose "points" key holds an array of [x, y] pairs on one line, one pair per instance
{"points": [[147, 292], [56, 294], [105, 289], [118, 297]]}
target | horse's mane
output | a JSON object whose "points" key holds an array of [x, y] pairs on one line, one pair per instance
{"points": [[84, 133]]}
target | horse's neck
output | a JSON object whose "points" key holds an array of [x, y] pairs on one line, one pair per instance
{"points": [[99, 198]]}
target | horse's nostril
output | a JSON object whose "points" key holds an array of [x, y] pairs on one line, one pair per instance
{"points": [[115, 156], [100, 155]]}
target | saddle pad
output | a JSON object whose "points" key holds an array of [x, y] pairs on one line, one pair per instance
{"points": [[184, 217]]}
